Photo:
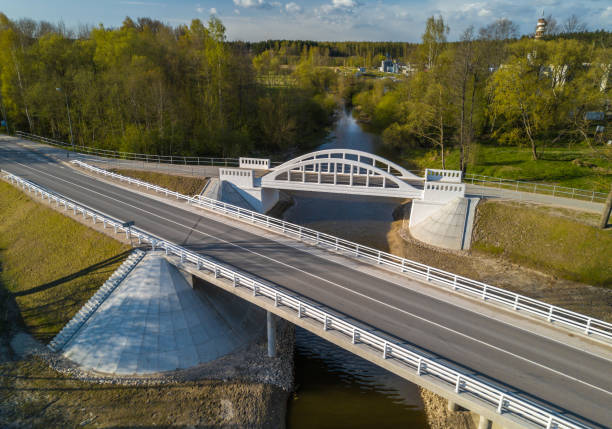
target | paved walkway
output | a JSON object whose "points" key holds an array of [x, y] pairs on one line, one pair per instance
{"points": [[549, 200]]}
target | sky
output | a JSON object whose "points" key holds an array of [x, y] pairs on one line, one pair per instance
{"points": [[254, 20]]}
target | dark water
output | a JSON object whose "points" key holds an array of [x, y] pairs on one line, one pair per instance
{"points": [[336, 389]]}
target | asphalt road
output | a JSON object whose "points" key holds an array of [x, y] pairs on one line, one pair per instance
{"points": [[545, 370]]}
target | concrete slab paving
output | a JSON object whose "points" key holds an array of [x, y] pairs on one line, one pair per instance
{"points": [[154, 321]]}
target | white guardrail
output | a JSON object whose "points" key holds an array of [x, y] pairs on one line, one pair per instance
{"points": [[536, 188], [131, 156], [461, 383], [457, 283]]}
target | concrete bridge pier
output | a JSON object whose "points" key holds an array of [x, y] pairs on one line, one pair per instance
{"points": [[484, 423], [271, 323], [452, 406]]}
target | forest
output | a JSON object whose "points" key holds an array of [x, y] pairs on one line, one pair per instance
{"points": [[150, 87]]}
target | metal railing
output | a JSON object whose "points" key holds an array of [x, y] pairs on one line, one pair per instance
{"points": [[459, 284], [130, 156], [535, 188], [502, 401], [474, 179]]}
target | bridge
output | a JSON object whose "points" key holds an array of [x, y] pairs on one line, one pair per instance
{"points": [[510, 368], [345, 171]]}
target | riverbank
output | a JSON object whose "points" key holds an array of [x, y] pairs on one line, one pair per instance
{"points": [[40, 389]]}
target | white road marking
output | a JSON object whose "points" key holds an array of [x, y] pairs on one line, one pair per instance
{"points": [[334, 284]]}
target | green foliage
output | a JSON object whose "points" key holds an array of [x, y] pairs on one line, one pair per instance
{"points": [[148, 87]]}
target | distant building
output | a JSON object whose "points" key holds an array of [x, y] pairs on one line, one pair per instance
{"points": [[389, 66], [540, 28]]}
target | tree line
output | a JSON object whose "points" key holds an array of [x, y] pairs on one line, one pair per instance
{"points": [[149, 87]]}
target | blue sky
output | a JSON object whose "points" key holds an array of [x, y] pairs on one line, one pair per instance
{"points": [[398, 20]]}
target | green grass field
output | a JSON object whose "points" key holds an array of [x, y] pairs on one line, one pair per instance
{"points": [[182, 184], [579, 167], [547, 239], [51, 264]]}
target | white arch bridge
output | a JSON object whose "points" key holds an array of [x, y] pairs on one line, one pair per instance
{"points": [[345, 171]]}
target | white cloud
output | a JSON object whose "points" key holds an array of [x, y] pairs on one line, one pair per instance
{"points": [[260, 4], [237, 11], [213, 10], [293, 8]]}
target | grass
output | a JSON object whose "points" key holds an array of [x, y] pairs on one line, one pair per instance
{"points": [[182, 184], [578, 167], [51, 265], [547, 240]]}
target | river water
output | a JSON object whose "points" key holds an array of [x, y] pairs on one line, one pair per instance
{"points": [[336, 389]]}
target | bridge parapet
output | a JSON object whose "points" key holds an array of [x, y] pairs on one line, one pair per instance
{"points": [[239, 177], [443, 191], [448, 176], [255, 163]]}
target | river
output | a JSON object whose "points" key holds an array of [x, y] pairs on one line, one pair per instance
{"points": [[336, 389]]}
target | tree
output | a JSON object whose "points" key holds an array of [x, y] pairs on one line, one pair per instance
{"points": [[430, 108], [573, 25], [500, 30], [434, 40], [463, 82], [522, 95]]}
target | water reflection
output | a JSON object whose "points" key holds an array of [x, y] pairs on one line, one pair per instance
{"points": [[336, 389], [347, 134]]}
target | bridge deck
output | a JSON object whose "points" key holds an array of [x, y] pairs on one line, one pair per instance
{"points": [[549, 370]]}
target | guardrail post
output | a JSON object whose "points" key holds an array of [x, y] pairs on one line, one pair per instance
{"points": [[216, 272], [455, 282], [199, 264], [484, 292], [550, 313], [500, 405], [378, 261], [336, 243], [167, 251], [419, 366], [549, 425], [235, 281], [355, 336], [385, 350], [325, 323], [357, 250], [458, 384], [153, 243], [254, 290], [587, 329], [276, 299], [427, 276], [299, 310], [403, 265], [182, 257], [516, 301]]}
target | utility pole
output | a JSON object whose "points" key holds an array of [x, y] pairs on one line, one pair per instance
{"points": [[605, 215], [69, 120]]}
